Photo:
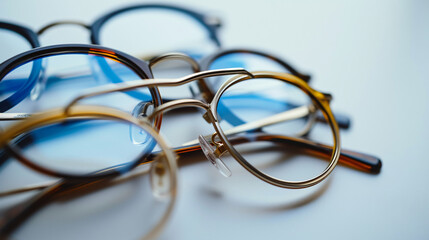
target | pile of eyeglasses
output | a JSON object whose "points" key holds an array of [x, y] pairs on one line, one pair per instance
{"points": [[89, 117]]}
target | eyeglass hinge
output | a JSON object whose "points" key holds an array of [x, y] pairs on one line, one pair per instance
{"points": [[209, 117], [328, 97]]}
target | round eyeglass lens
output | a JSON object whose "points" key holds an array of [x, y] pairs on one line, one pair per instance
{"points": [[265, 121], [150, 32], [83, 146], [247, 60], [55, 80], [86, 146]]}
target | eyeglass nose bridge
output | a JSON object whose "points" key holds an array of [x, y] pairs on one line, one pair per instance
{"points": [[205, 91], [175, 56], [208, 115], [212, 153]]}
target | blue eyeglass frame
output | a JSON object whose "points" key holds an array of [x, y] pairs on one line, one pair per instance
{"points": [[209, 23], [95, 28], [25, 32], [211, 26]]}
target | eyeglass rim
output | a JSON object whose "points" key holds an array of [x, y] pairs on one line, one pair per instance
{"points": [[101, 113], [207, 61], [199, 17], [136, 64], [322, 100], [140, 67], [33, 37], [319, 98], [58, 115], [25, 32]]}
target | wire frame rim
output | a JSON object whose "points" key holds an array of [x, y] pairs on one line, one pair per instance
{"points": [[58, 114], [92, 112], [316, 96]]}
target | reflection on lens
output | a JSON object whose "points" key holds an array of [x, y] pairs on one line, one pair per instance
{"points": [[249, 61], [270, 114], [145, 33], [83, 146], [12, 44], [55, 80]]}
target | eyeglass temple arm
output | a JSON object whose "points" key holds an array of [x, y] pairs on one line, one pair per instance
{"points": [[131, 85], [14, 116], [342, 120], [359, 161]]}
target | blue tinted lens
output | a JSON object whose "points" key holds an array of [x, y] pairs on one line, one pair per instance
{"points": [[84, 146], [55, 80], [148, 32]]}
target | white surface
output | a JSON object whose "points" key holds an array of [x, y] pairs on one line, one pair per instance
{"points": [[373, 57]]}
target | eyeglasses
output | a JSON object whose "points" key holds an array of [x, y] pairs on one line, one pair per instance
{"points": [[124, 16], [222, 107], [56, 135], [46, 137], [105, 26], [33, 77], [228, 137], [238, 57], [125, 68], [219, 109], [254, 60], [139, 21]]}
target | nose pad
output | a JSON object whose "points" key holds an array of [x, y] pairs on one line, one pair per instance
{"points": [[137, 135], [36, 91], [41, 79], [209, 151], [160, 178]]}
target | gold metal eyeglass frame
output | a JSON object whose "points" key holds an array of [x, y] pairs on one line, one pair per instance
{"points": [[67, 186], [320, 100]]}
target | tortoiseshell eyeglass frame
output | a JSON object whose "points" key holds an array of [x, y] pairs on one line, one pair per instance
{"points": [[360, 161]]}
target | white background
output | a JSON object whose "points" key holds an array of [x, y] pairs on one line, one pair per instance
{"points": [[373, 56]]}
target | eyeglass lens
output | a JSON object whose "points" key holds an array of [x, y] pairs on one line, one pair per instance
{"points": [[287, 111]]}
